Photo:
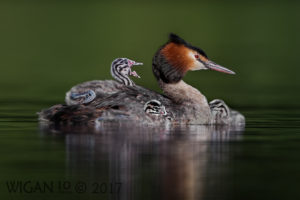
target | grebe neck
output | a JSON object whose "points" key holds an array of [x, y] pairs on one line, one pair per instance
{"points": [[119, 76], [182, 92]]}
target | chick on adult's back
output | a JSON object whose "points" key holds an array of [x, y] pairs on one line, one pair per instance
{"points": [[84, 93]]}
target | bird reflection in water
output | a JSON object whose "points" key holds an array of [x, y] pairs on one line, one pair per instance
{"points": [[177, 162]]}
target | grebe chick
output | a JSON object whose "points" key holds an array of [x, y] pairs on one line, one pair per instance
{"points": [[84, 93], [121, 69], [222, 114], [184, 103], [84, 97], [155, 107]]}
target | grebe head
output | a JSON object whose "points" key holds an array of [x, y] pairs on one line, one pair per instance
{"points": [[155, 107], [121, 69], [176, 57]]}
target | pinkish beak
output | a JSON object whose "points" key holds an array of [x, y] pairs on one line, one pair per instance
{"points": [[133, 63], [213, 66]]}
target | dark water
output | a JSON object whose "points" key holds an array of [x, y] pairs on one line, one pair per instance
{"points": [[123, 161]]}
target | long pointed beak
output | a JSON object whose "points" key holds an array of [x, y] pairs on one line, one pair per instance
{"points": [[213, 66]]}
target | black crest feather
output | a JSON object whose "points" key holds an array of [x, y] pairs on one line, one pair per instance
{"points": [[176, 39]]}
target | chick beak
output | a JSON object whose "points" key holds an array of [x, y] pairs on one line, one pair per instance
{"points": [[213, 66], [137, 63], [133, 63]]}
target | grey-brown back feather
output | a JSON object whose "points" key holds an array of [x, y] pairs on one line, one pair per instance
{"points": [[115, 101], [102, 89]]}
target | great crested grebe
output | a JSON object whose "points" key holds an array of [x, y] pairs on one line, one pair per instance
{"points": [[181, 104]]}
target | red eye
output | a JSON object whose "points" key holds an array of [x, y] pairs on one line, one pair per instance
{"points": [[196, 56]]}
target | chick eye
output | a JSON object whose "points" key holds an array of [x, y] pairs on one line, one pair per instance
{"points": [[196, 56]]}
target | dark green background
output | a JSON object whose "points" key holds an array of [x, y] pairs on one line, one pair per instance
{"points": [[48, 46]]}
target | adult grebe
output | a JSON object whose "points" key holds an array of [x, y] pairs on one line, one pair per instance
{"points": [[182, 103]]}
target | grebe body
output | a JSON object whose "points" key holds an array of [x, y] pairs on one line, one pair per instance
{"points": [[123, 101]]}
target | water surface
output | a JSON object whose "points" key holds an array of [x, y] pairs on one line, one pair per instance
{"points": [[123, 161]]}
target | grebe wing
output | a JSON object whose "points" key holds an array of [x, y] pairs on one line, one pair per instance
{"points": [[132, 96], [70, 114]]}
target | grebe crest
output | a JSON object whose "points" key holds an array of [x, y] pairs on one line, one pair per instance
{"points": [[155, 107], [175, 58]]}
